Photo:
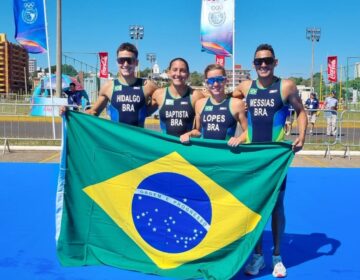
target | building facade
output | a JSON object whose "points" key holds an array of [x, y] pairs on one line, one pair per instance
{"points": [[239, 76], [14, 67], [32, 65]]}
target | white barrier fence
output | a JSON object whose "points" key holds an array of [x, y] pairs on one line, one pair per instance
{"points": [[17, 123], [330, 129]]}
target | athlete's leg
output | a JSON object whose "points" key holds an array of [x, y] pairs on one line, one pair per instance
{"points": [[257, 261], [258, 247], [278, 222]]}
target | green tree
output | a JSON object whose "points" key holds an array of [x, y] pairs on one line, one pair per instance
{"points": [[196, 79], [298, 80], [65, 69], [69, 70], [354, 83], [145, 73]]}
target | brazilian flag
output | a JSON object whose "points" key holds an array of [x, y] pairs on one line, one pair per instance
{"points": [[137, 199]]}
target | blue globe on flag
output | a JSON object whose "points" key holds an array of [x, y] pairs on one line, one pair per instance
{"points": [[171, 212]]}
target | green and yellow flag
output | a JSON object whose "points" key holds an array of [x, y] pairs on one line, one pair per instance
{"points": [[137, 199]]}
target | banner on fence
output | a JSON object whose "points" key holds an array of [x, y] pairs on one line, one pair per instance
{"points": [[44, 106]]}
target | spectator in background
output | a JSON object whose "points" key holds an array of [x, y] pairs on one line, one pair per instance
{"points": [[312, 104], [76, 97], [331, 105]]}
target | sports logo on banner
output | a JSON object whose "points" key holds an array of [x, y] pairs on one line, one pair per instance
{"points": [[332, 69], [104, 64], [217, 19], [30, 25]]}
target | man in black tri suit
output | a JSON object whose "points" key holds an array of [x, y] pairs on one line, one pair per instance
{"points": [[267, 100], [128, 95]]}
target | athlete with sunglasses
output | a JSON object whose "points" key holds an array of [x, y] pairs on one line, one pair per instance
{"points": [[176, 102], [128, 95], [267, 100], [217, 116]]}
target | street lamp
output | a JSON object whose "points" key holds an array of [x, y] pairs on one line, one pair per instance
{"points": [[313, 34], [136, 32], [152, 58]]}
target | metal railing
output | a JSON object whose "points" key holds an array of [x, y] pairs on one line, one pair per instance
{"points": [[349, 130], [332, 129], [17, 123]]}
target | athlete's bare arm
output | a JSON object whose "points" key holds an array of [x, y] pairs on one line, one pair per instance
{"points": [[292, 96], [238, 109], [104, 97], [185, 138], [242, 89], [157, 100], [196, 95], [149, 89]]}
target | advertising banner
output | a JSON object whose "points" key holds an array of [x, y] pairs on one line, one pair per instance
{"points": [[30, 25], [217, 19], [332, 69], [104, 64], [220, 59]]}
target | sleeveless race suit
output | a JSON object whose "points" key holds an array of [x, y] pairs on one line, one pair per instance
{"points": [[176, 114], [217, 122], [266, 113], [128, 104]]}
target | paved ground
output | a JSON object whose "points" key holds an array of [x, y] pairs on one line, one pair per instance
{"points": [[320, 242], [300, 160]]}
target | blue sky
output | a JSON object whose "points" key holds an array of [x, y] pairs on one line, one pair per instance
{"points": [[172, 29]]}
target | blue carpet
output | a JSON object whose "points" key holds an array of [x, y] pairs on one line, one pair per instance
{"points": [[321, 239]]}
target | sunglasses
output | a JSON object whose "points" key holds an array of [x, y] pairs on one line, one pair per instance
{"points": [[122, 60], [218, 79], [267, 60]]}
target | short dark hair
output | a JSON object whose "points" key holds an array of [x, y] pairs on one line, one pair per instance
{"points": [[265, 47], [72, 84], [181, 59], [127, 47], [214, 67]]}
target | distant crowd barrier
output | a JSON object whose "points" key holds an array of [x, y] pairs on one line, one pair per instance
{"points": [[17, 124], [331, 130], [349, 130]]}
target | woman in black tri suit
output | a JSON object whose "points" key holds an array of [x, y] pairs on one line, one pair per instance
{"points": [[176, 103], [217, 116]]}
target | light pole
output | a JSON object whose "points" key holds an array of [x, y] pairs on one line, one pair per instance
{"points": [[136, 32], [313, 34], [347, 77], [152, 58]]}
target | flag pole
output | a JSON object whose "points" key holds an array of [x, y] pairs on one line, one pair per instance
{"points": [[233, 50], [49, 66], [58, 48]]}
